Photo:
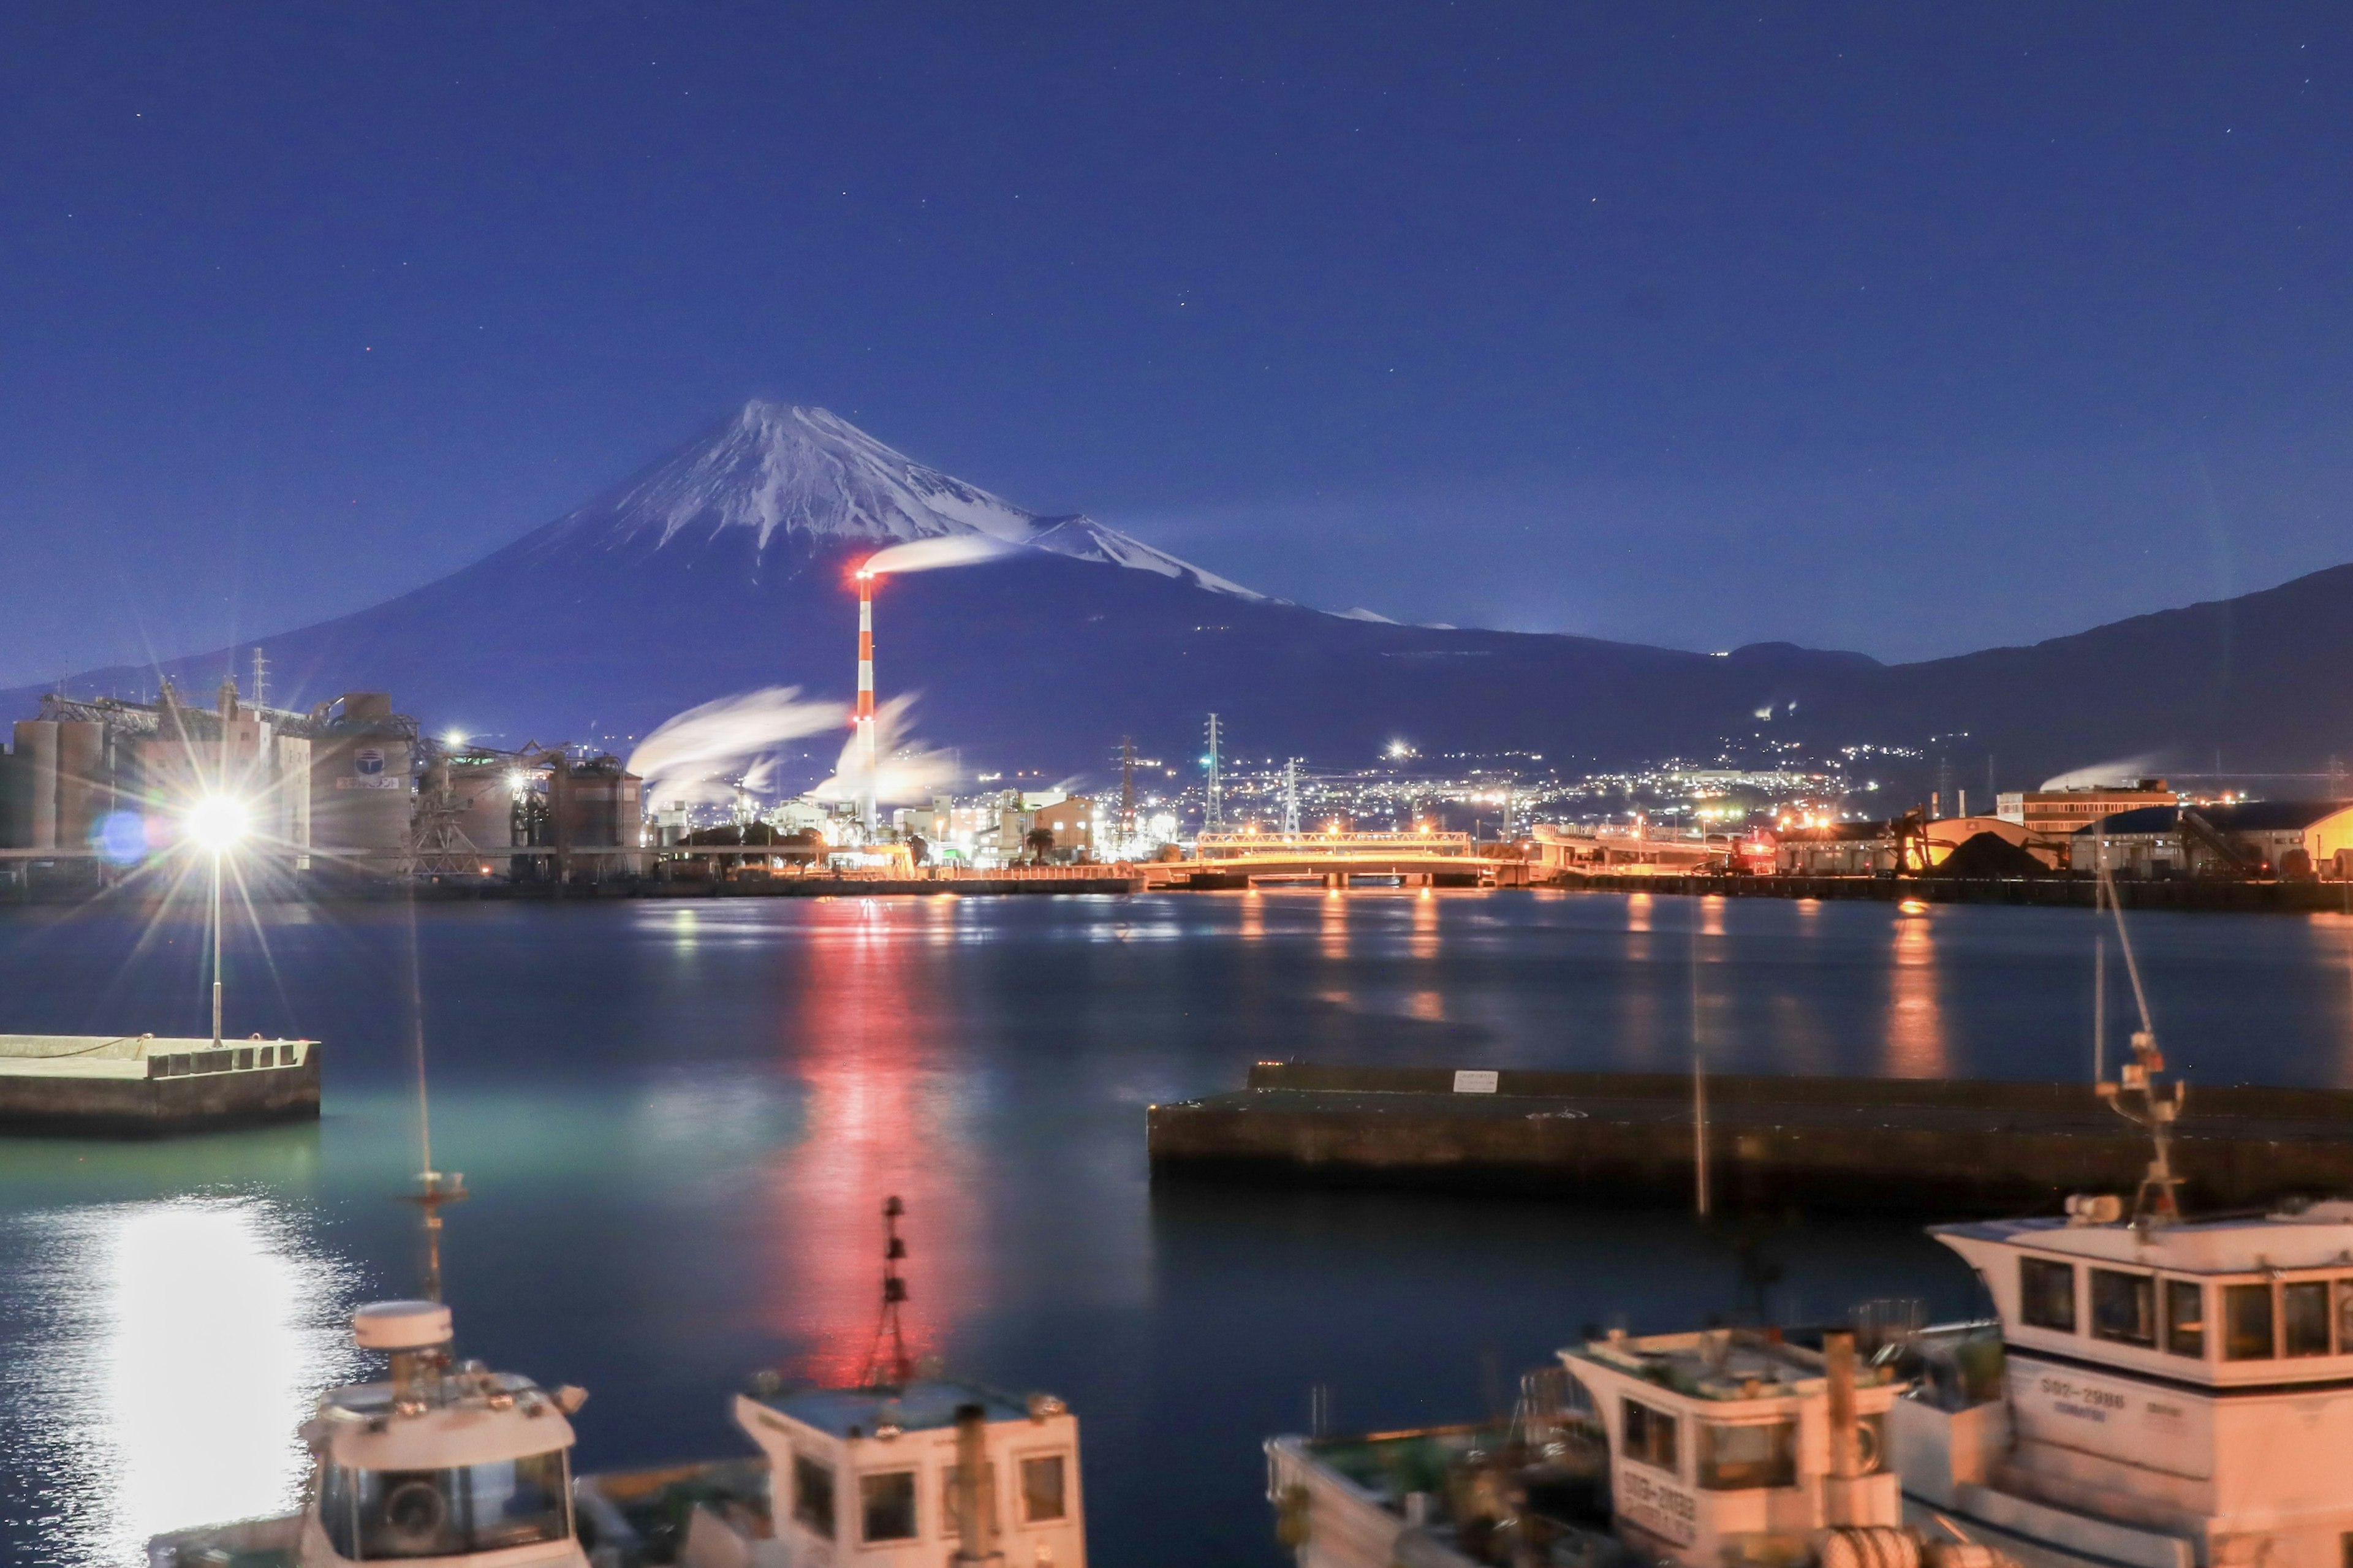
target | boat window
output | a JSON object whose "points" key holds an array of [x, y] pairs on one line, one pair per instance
{"points": [[952, 1511], [1041, 1489], [886, 1506], [391, 1514], [2046, 1294], [2247, 1322], [1735, 1458], [337, 1488], [2304, 1317], [813, 1495], [1649, 1435], [2123, 1307], [2185, 1318]]}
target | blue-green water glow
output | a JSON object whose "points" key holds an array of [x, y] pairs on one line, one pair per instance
{"points": [[680, 1120]]}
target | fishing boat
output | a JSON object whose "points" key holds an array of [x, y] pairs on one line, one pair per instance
{"points": [[1702, 1450], [2154, 1389], [439, 1459], [899, 1468]]}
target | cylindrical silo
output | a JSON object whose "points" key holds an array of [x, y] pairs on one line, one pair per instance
{"points": [[82, 785], [37, 753]]}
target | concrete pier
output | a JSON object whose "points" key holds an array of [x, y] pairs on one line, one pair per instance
{"points": [[140, 1085], [1927, 1147]]}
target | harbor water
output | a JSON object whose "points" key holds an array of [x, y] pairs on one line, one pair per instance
{"points": [[680, 1121]]}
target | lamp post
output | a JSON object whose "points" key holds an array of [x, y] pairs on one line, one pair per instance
{"points": [[215, 823]]}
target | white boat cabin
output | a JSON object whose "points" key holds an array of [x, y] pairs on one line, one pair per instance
{"points": [[2170, 1394], [1732, 1444], [451, 1464], [442, 1465], [875, 1476]]}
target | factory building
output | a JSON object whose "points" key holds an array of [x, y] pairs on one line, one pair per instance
{"points": [[113, 777], [363, 756], [104, 773], [1837, 849], [2052, 817], [1073, 822], [2250, 838]]}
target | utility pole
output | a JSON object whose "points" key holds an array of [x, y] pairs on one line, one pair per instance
{"points": [[1291, 796], [1213, 815]]}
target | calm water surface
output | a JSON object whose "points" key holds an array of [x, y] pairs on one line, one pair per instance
{"points": [[681, 1119]]}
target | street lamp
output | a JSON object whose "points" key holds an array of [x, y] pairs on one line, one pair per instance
{"points": [[215, 823]]}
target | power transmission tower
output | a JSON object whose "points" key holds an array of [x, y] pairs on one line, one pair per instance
{"points": [[1213, 815], [1291, 796]]}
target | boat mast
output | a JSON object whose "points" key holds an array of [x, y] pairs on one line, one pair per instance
{"points": [[2133, 1095], [434, 1188]]}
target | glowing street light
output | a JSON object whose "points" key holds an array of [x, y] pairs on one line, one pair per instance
{"points": [[215, 823]]}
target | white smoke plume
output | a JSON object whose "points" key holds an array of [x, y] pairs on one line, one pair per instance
{"points": [[2124, 771], [930, 554], [697, 756], [906, 771]]}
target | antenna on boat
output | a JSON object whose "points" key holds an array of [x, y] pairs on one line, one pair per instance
{"points": [[2156, 1201], [1699, 1083], [434, 1188], [896, 1369]]}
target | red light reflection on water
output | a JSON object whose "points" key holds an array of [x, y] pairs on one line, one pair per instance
{"points": [[882, 1118], [1916, 1019]]}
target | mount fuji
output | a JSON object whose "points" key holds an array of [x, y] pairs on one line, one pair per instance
{"points": [[724, 568]]}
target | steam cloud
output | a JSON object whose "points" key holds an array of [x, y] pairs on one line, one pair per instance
{"points": [[698, 756], [2124, 771], [930, 554], [905, 772]]}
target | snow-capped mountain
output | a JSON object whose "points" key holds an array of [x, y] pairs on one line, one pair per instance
{"points": [[718, 571], [805, 482]]}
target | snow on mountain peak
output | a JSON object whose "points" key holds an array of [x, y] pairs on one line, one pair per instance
{"points": [[814, 477]]}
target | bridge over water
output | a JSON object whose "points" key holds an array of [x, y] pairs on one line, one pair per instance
{"points": [[1333, 858]]}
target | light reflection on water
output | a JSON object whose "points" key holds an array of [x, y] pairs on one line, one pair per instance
{"points": [[882, 1119], [1916, 1022], [169, 1351], [680, 1123]]}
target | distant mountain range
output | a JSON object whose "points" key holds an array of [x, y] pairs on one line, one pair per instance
{"points": [[724, 567]]}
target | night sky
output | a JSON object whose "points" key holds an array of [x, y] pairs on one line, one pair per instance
{"points": [[1901, 328]]}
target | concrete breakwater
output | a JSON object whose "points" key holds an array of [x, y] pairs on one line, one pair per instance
{"points": [[1928, 1147], [141, 1085]]}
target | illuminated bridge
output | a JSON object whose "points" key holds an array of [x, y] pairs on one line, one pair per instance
{"points": [[1333, 858]]}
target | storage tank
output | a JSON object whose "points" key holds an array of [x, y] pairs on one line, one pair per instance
{"points": [[36, 763], [83, 792], [482, 793], [360, 785]]}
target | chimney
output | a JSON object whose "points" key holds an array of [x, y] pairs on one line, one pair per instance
{"points": [[866, 695], [975, 1543]]}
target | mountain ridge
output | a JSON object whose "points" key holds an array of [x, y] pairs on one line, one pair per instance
{"points": [[722, 567]]}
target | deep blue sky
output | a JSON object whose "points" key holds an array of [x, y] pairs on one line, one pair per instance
{"points": [[1901, 328]]}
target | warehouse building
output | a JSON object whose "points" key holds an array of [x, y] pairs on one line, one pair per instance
{"points": [[2250, 838]]}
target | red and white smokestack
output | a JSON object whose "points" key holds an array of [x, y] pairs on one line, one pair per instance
{"points": [[865, 719]]}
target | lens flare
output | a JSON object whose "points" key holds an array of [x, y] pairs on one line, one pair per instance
{"points": [[216, 822]]}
